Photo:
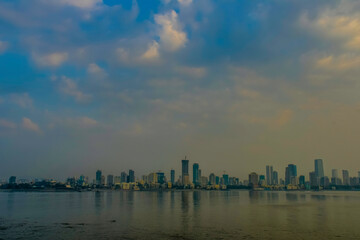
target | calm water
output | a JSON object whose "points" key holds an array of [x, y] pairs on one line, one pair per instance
{"points": [[180, 215]]}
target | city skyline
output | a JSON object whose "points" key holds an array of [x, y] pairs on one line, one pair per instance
{"points": [[270, 176], [137, 84]]}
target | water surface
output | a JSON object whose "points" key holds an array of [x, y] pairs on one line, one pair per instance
{"points": [[179, 215]]}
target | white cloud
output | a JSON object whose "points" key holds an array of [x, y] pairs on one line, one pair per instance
{"points": [[87, 122], [3, 46], [84, 4], [122, 54], [30, 125], [51, 60], [69, 87], [337, 25], [22, 100], [95, 69], [171, 36], [196, 72], [7, 124], [152, 52], [185, 2]]}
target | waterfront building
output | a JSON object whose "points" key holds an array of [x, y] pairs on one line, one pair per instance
{"points": [[12, 180], [204, 181], [217, 180], [313, 180], [98, 178], [196, 178], [110, 180], [185, 171], [160, 177], [131, 177], [269, 175], [253, 179], [319, 168], [325, 182], [290, 174], [346, 178], [152, 178], [117, 180], [212, 179], [172, 176], [225, 179], [275, 178], [302, 180], [123, 176]]}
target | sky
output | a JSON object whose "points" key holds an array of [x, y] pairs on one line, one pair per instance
{"points": [[233, 85]]}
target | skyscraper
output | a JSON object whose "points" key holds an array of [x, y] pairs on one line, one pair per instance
{"points": [[334, 173], [185, 171], [172, 176], [319, 169], [123, 177], [314, 180], [131, 176], [253, 180], [160, 177], [302, 180], [110, 180], [290, 174], [212, 179], [275, 178], [269, 175], [196, 173], [346, 178], [98, 177], [226, 179]]}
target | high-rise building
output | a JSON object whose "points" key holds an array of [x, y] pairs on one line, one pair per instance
{"points": [[160, 177], [185, 171], [319, 169], [302, 180], [314, 180], [226, 179], [290, 174], [346, 178], [212, 179], [253, 179], [196, 173], [275, 178], [269, 175], [217, 180], [123, 177], [131, 176], [117, 180], [98, 177], [12, 180], [334, 173], [359, 174], [110, 180], [153, 178], [172, 176]]}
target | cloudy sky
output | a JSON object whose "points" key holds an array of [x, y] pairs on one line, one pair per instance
{"points": [[234, 85]]}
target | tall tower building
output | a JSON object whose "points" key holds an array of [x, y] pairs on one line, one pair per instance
{"points": [[319, 168], [196, 177], [334, 173], [253, 180], [269, 175], [123, 177], [98, 177], [212, 179], [172, 176], [346, 178], [290, 174], [275, 178], [110, 180], [131, 176], [185, 171]]}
